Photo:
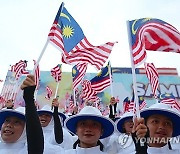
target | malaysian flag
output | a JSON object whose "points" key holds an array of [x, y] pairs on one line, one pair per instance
{"points": [[153, 77], [67, 36], [78, 73], [102, 80], [142, 103], [152, 34], [56, 72], [37, 75], [49, 93], [128, 106], [19, 68], [87, 91], [170, 100]]}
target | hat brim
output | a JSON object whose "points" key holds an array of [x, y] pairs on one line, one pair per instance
{"points": [[170, 114], [44, 111], [120, 123], [10, 113], [107, 125], [62, 116]]}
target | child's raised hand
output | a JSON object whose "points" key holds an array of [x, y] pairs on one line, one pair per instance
{"points": [[139, 127], [29, 81]]}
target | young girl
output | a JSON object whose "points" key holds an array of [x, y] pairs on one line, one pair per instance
{"points": [[90, 126], [124, 125], [163, 123], [53, 131], [35, 140], [13, 135]]}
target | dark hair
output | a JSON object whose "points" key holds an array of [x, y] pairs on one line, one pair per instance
{"points": [[98, 143]]}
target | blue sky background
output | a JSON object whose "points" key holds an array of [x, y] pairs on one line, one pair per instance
{"points": [[25, 24]]}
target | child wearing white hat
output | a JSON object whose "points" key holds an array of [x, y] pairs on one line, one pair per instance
{"points": [[13, 131], [35, 139], [124, 125], [90, 126], [53, 131], [163, 123]]}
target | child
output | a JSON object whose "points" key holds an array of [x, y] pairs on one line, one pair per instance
{"points": [[90, 126], [124, 126], [53, 131], [13, 135], [163, 123]]}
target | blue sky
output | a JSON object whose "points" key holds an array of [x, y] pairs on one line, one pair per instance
{"points": [[25, 24]]}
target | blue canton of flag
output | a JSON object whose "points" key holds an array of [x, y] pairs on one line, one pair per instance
{"points": [[68, 36], [165, 96], [136, 25], [170, 100], [71, 31], [102, 80], [152, 34]]}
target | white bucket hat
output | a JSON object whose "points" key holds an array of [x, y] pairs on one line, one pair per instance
{"points": [[92, 113], [18, 112], [45, 109], [166, 110], [120, 122]]}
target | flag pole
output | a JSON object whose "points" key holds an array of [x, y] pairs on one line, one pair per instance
{"points": [[40, 56], [35, 94], [133, 72], [57, 87], [110, 75], [74, 95]]}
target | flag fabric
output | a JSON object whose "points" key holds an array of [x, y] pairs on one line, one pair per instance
{"points": [[87, 91], [49, 93], [128, 105], [142, 103], [170, 100], [67, 36], [78, 73], [152, 75], [71, 104], [56, 72], [19, 68], [152, 34], [102, 80], [37, 75]]}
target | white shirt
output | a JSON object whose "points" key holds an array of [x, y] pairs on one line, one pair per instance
{"points": [[67, 140], [18, 147], [13, 148], [175, 142], [164, 150], [79, 150], [125, 144]]}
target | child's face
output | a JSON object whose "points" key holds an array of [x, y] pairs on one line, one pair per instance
{"points": [[128, 125], [45, 118], [160, 127], [12, 129], [88, 132]]}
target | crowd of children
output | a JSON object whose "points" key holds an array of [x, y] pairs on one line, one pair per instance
{"points": [[46, 130]]}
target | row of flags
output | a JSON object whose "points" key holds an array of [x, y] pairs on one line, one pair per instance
{"points": [[68, 37], [129, 105]]}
